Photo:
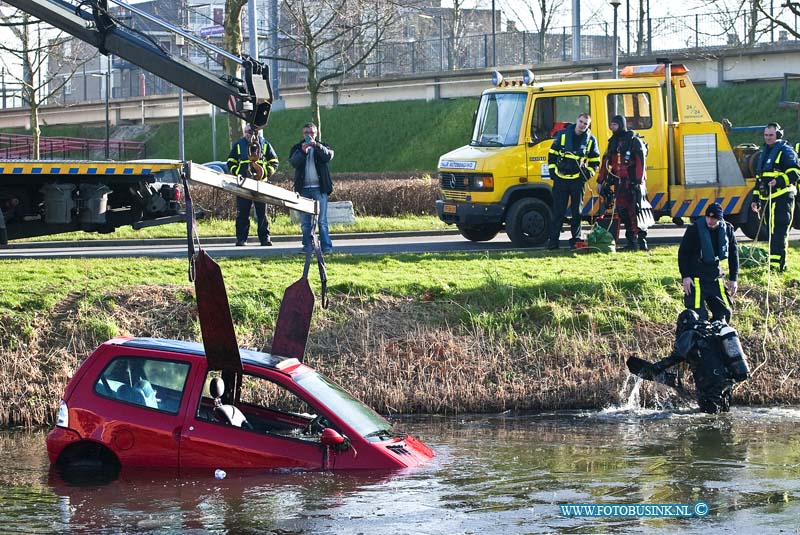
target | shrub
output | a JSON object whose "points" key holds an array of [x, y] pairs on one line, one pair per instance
{"points": [[385, 195]]}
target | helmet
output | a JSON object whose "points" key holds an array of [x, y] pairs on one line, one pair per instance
{"points": [[686, 320]]}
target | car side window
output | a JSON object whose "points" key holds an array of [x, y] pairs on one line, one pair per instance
{"points": [[152, 383], [551, 114], [635, 107], [268, 408]]}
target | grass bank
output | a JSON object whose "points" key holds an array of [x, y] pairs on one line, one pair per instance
{"points": [[410, 136], [437, 333]]}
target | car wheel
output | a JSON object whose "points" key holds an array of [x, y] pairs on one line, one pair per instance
{"points": [[751, 226], [528, 222], [479, 233], [88, 462]]}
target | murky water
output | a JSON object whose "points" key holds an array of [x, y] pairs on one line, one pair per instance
{"points": [[493, 474]]}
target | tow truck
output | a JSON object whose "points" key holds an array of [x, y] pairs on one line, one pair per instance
{"points": [[500, 181], [40, 198]]}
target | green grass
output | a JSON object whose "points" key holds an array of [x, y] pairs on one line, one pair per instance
{"points": [[388, 136], [506, 291], [753, 104], [280, 226]]}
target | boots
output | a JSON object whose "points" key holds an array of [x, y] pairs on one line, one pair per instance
{"points": [[642, 238], [632, 244]]}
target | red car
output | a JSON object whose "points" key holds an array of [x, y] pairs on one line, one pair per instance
{"points": [[146, 402]]}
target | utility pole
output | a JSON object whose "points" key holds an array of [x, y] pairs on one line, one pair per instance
{"points": [[273, 29], [494, 36], [252, 33], [576, 30], [108, 98]]}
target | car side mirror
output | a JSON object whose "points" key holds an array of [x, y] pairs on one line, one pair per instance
{"points": [[331, 438]]}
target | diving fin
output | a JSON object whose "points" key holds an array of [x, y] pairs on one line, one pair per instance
{"points": [[641, 368], [646, 370]]}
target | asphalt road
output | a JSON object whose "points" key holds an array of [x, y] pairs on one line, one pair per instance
{"points": [[357, 244]]}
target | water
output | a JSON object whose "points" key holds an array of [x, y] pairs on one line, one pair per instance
{"points": [[492, 474]]}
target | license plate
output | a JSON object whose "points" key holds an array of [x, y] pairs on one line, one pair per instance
{"points": [[449, 208]]}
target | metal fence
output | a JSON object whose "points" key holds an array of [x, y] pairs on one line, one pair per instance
{"points": [[20, 147], [695, 34]]}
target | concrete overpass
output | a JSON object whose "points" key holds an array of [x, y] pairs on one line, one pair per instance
{"points": [[712, 68]]}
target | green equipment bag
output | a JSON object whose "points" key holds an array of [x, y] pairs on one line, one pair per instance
{"points": [[751, 256], [599, 239]]}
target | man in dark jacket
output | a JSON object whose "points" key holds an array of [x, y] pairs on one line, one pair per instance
{"points": [[777, 173], [312, 180], [252, 157], [704, 245], [623, 168], [573, 160]]}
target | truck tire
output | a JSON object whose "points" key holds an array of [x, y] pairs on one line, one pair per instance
{"points": [[484, 233], [750, 227], [528, 222]]}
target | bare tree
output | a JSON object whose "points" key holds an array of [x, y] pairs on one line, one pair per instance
{"points": [[232, 42], [729, 14], [789, 11], [26, 61], [330, 38], [543, 13]]}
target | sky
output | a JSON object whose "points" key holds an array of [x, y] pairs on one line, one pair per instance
{"points": [[598, 11]]}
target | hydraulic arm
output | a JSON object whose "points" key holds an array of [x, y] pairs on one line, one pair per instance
{"points": [[249, 98]]}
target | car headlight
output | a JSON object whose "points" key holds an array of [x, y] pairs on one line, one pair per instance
{"points": [[62, 420], [484, 183]]}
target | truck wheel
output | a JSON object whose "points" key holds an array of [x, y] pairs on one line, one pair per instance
{"points": [[750, 227], [479, 233], [528, 222]]}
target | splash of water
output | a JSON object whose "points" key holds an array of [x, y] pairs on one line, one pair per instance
{"points": [[633, 399]]}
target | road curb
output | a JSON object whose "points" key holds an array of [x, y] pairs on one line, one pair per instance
{"points": [[219, 240]]}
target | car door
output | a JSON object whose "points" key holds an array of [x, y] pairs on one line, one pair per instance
{"points": [[275, 439], [137, 402]]}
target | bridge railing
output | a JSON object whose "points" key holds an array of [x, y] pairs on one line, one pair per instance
{"points": [[20, 147]]}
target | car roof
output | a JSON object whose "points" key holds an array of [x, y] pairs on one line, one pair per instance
{"points": [[248, 356]]}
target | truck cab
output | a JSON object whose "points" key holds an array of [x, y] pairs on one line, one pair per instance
{"points": [[500, 181]]}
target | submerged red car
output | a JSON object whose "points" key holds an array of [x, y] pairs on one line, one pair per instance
{"points": [[146, 402]]}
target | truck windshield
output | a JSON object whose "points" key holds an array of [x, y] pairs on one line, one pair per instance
{"points": [[360, 417], [499, 119]]}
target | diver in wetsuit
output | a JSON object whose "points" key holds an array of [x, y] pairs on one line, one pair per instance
{"points": [[714, 354]]}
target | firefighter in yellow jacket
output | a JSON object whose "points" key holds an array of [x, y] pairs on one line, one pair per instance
{"points": [[252, 157], [574, 158], [777, 173]]}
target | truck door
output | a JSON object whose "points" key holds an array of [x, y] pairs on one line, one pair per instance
{"points": [[551, 114]]}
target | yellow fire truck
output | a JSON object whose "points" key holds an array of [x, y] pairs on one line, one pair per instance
{"points": [[501, 180]]}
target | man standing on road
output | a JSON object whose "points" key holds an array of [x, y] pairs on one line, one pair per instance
{"points": [[777, 174], [312, 180], [574, 158], [252, 157], [704, 245]]}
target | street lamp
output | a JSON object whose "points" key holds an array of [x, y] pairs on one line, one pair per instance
{"points": [[494, 36], [107, 75], [441, 36], [615, 52]]}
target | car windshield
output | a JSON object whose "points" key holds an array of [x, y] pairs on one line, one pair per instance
{"points": [[499, 120], [358, 416]]}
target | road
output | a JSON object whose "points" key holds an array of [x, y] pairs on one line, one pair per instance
{"points": [[359, 244]]}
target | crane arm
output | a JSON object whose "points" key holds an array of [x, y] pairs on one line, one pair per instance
{"points": [[249, 97]]}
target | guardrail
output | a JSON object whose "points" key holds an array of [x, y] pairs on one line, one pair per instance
{"points": [[20, 147]]}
